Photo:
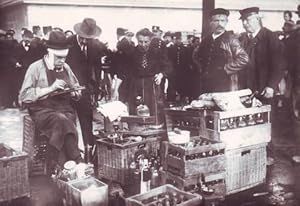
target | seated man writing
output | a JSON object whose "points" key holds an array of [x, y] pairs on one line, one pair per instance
{"points": [[53, 115]]}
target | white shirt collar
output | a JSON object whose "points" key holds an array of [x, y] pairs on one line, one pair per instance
{"points": [[214, 36], [254, 34]]}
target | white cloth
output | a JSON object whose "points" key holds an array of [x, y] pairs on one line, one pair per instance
{"points": [[113, 110]]}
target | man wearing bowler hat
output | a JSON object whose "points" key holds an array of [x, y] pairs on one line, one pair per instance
{"points": [[266, 59], [220, 56], [54, 116], [85, 60]]}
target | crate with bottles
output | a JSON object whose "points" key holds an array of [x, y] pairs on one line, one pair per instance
{"points": [[238, 128], [198, 156], [117, 152], [210, 186], [166, 195]]}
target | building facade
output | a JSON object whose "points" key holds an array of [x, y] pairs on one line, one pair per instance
{"points": [[174, 15]]}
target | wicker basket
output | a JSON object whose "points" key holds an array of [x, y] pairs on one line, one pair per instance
{"points": [[37, 164], [114, 159], [147, 199], [14, 181], [245, 167]]}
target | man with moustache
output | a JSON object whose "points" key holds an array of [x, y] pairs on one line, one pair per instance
{"points": [[220, 56]]}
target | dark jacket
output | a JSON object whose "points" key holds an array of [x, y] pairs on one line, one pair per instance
{"points": [[146, 65], [220, 61], [267, 64], [292, 55], [122, 64], [86, 68], [123, 58]]}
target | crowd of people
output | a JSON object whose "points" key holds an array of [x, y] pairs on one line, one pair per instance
{"points": [[160, 69]]}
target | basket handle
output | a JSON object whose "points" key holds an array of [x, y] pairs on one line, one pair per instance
{"points": [[245, 152]]}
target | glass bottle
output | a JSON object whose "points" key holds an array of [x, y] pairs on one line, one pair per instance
{"points": [[259, 118], [251, 120], [223, 124], [141, 109], [241, 122]]}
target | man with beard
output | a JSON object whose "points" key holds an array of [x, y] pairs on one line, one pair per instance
{"points": [[150, 66], [220, 56]]}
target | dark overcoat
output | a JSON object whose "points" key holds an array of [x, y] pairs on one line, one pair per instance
{"points": [[267, 63], [146, 65]]}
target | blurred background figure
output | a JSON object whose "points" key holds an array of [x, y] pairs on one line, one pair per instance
{"points": [[287, 16], [69, 33]]}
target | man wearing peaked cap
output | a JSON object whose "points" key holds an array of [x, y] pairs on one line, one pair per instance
{"points": [[248, 12], [54, 116], [219, 71], [84, 59], [121, 31], [267, 64], [219, 11]]}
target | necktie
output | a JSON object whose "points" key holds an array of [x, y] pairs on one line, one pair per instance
{"points": [[250, 35], [144, 61], [84, 49]]}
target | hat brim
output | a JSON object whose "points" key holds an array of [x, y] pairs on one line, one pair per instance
{"points": [[244, 16], [57, 47], [84, 35]]}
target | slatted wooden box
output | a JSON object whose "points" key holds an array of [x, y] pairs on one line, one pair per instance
{"points": [[150, 198], [114, 159], [82, 192], [245, 167], [235, 136], [212, 124], [200, 159], [215, 181], [14, 180], [178, 117]]}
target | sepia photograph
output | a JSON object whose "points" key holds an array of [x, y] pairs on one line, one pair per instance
{"points": [[149, 103]]}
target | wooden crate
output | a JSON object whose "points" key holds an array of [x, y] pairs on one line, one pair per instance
{"points": [[245, 167], [201, 159], [37, 163], [178, 117], [215, 181], [207, 123], [114, 159], [238, 137], [86, 191], [14, 180], [148, 198]]}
